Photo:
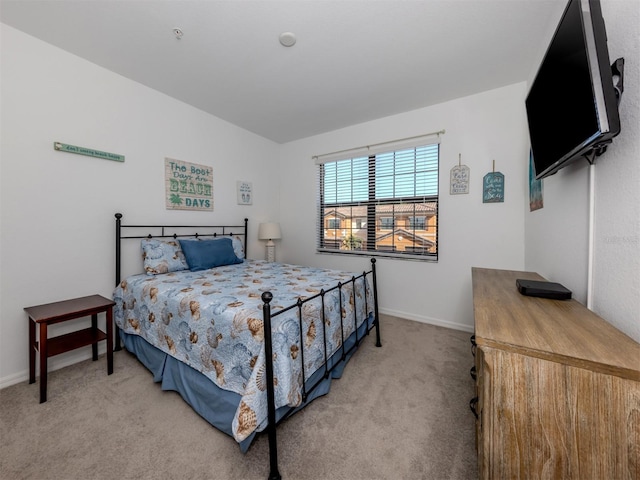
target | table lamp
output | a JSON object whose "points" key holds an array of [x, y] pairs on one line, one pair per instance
{"points": [[270, 231]]}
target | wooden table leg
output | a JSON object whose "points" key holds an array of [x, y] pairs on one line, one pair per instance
{"points": [[43, 362], [109, 340], [94, 327], [32, 351]]}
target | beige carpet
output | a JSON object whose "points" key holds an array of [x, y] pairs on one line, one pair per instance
{"points": [[399, 412]]}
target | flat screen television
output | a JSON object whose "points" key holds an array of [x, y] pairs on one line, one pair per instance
{"points": [[572, 105]]}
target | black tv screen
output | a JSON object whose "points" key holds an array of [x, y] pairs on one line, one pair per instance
{"points": [[571, 106]]}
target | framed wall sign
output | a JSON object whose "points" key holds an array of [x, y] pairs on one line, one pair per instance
{"points": [[536, 200], [245, 193], [188, 186]]}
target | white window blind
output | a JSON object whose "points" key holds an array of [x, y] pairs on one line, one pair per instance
{"points": [[369, 204]]}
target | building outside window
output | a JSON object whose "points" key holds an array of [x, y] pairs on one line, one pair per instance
{"points": [[333, 223], [387, 202]]}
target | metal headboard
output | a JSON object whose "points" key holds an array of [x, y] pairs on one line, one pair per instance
{"points": [[170, 231]]}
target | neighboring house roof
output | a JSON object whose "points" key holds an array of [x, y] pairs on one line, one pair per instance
{"points": [[406, 233], [334, 213], [361, 210]]}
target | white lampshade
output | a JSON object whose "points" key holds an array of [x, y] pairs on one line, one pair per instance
{"points": [[269, 231]]}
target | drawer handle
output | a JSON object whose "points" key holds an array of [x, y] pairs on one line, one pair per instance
{"points": [[472, 372], [473, 345], [473, 404]]}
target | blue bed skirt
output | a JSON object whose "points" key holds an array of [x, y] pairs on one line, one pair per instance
{"points": [[216, 405]]}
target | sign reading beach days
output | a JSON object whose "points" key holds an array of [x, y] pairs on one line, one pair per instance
{"points": [[188, 186]]}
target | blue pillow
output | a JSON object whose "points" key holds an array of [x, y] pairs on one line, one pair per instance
{"points": [[205, 254]]}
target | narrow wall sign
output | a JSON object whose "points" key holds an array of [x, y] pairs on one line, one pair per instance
{"points": [[188, 186], [89, 152]]}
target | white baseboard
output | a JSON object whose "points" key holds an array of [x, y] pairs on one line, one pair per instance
{"points": [[54, 363], [431, 321], [81, 356], [13, 379]]}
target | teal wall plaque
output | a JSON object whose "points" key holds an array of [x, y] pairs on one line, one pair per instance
{"points": [[493, 188], [89, 152]]}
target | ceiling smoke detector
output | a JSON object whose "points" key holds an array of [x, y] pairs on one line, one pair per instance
{"points": [[178, 33], [287, 39]]}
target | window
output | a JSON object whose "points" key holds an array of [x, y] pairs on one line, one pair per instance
{"points": [[387, 201], [386, 223], [333, 223], [417, 223]]}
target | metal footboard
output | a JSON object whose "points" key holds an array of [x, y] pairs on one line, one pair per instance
{"points": [[274, 474]]}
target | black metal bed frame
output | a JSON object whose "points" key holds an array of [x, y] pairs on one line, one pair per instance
{"points": [[267, 297]]}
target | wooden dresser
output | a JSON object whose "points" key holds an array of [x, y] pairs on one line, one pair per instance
{"points": [[558, 387]]}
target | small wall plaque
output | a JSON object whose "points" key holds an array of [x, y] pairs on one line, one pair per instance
{"points": [[459, 181], [89, 152], [493, 187], [245, 194]]}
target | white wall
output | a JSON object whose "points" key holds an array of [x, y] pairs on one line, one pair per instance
{"points": [[482, 128], [57, 209], [56, 228], [557, 235]]}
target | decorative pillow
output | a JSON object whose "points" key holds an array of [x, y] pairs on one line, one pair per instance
{"points": [[162, 256], [238, 244], [238, 247], [205, 254]]}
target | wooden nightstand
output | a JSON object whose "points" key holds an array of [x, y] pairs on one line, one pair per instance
{"points": [[48, 314]]}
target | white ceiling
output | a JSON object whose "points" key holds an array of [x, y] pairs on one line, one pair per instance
{"points": [[354, 60]]}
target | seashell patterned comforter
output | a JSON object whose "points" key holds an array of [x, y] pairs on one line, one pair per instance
{"points": [[212, 321]]}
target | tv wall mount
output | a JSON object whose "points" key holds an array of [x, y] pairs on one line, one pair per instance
{"points": [[617, 71]]}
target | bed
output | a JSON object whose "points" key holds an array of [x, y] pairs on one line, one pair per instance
{"points": [[246, 343]]}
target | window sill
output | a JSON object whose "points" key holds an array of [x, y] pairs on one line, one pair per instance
{"points": [[377, 254]]}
